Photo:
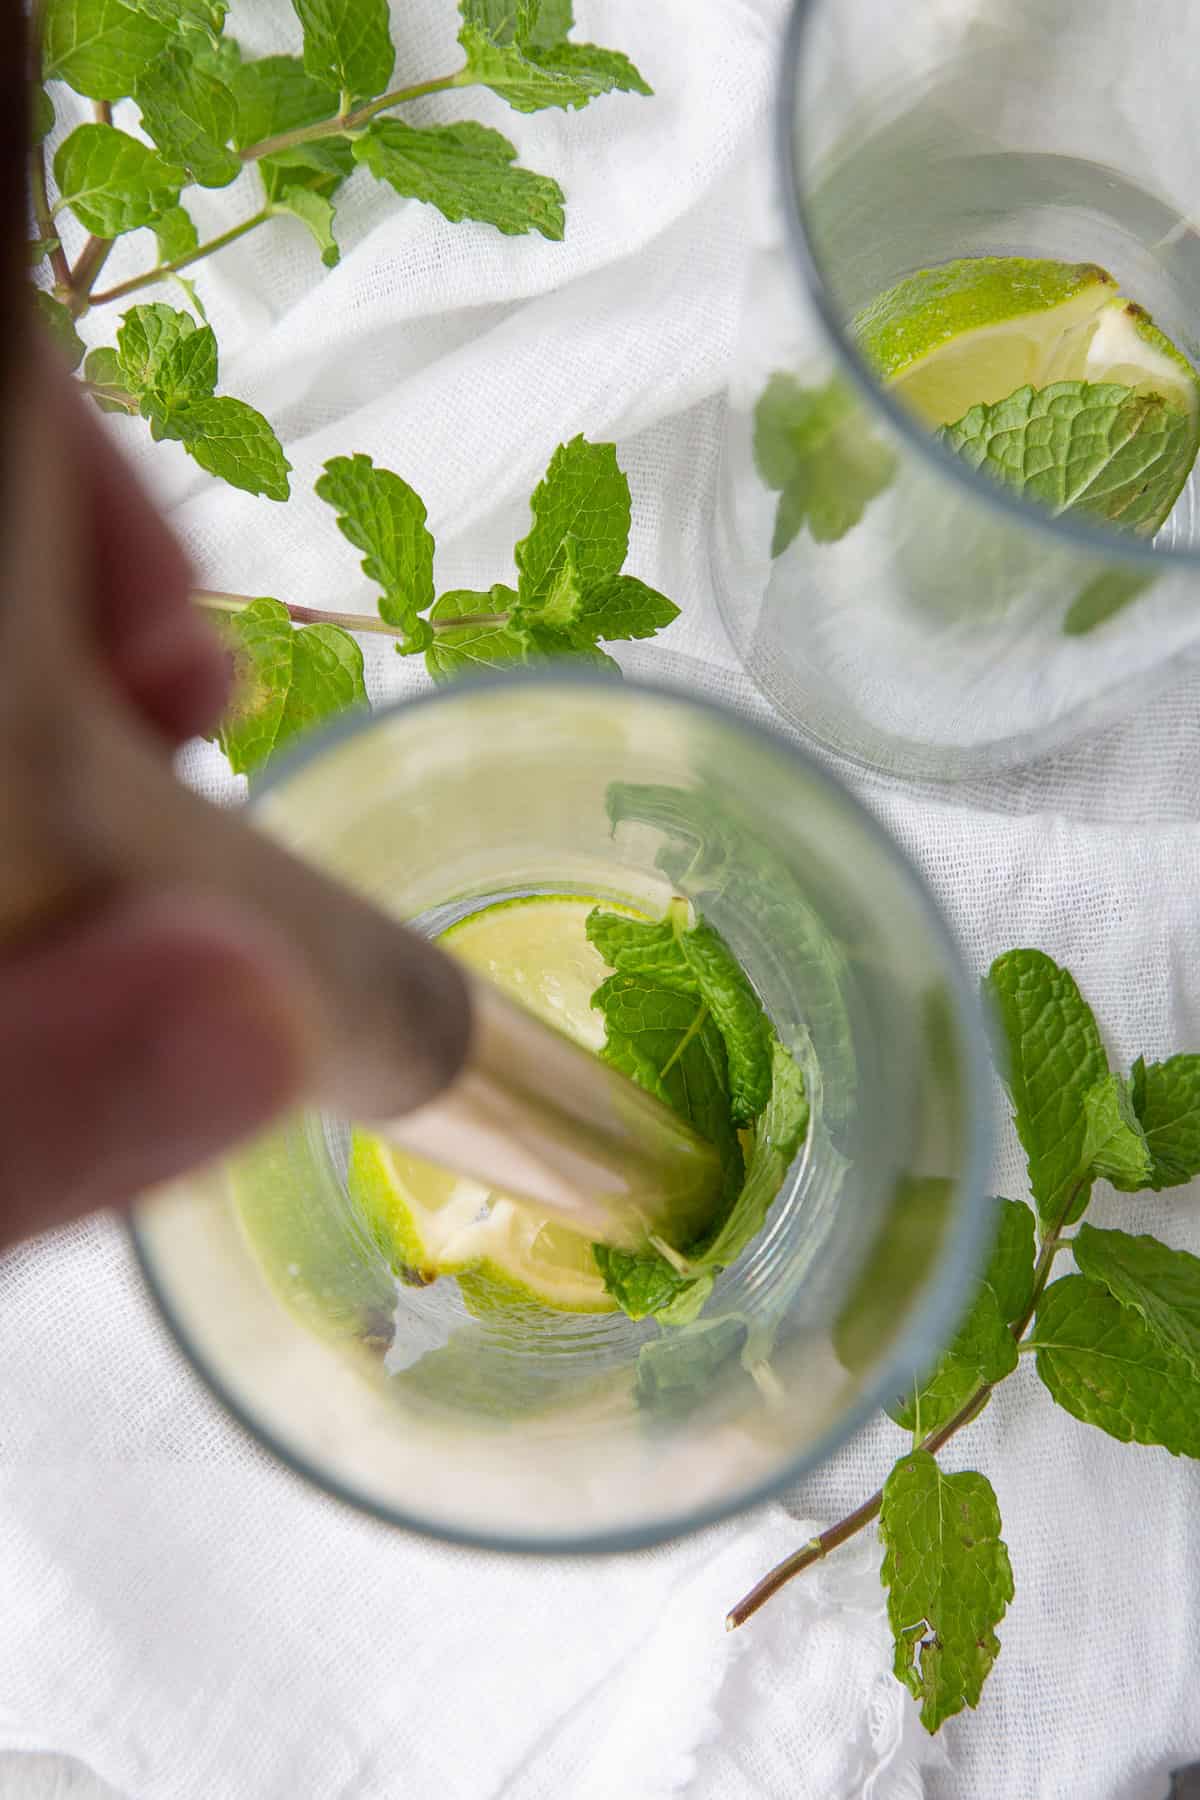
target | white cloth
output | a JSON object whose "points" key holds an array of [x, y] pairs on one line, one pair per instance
{"points": [[177, 1613]]}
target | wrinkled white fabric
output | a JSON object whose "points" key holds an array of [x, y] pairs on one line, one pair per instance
{"points": [[183, 1620]]}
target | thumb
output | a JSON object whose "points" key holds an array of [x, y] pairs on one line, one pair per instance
{"points": [[137, 1047]]}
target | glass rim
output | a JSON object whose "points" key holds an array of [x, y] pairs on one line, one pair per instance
{"points": [[923, 1334], [1108, 545]]}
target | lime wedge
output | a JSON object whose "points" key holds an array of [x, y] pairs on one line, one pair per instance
{"points": [[429, 1222], [974, 331]]}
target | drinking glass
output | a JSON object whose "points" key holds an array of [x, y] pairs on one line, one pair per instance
{"points": [[532, 1429], [897, 605]]}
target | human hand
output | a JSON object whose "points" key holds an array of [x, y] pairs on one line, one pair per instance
{"points": [[143, 1036]]}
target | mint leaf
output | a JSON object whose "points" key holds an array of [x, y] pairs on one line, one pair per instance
{"points": [[1102, 1363], [675, 1372], [1163, 1285], [778, 1135], [176, 235], [640, 1281], [584, 496], [230, 439], [348, 44], [505, 21], [190, 115], [484, 639], [379, 513], [316, 212], [1054, 1056], [111, 181], [184, 371], [1166, 1098], [1102, 599], [529, 78], [983, 1349], [1092, 448], [563, 598], [147, 336], [621, 606], [948, 1580], [699, 964], [206, 17], [277, 94], [103, 368], [466, 171], [1115, 1145], [285, 681], [817, 447], [61, 327], [99, 47], [41, 110]]}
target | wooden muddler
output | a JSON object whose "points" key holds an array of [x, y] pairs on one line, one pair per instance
{"points": [[409, 1041]]}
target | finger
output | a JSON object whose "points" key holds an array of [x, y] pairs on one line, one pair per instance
{"points": [[162, 653], [138, 1048]]}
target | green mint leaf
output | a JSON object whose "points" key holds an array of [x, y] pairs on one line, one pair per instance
{"points": [[320, 167], [1166, 1098], [204, 16], [561, 602], [111, 181], [621, 606], [1102, 599], [41, 111], [640, 1281], [184, 372], [484, 639], [190, 116], [277, 94], [229, 439], [316, 212], [176, 235], [675, 1372], [778, 1135], [1054, 1056], [529, 78], [1102, 1362], [466, 171], [348, 44], [1009, 1269], [591, 68], [1115, 1145], [99, 47], [983, 1350], [61, 327], [103, 368], [948, 1581], [817, 447], [583, 496], [1163, 1285], [147, 336], [1092, 448], [524, 22], [549, 643], [285, 681], [699, 964], [379, 513]]}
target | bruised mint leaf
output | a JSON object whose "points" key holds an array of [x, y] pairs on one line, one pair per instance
{"points": [[285, 681], [948, 1581]]}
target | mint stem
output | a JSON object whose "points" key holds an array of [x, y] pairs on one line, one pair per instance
{"points": [[211, 601], [163, 270], [40, 199], [819, 1547], [344, 121], [91, 260]]}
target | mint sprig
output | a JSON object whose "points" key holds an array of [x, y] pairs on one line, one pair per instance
{"points": [[571, 592], [307, 123], [1117, 1345]]}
